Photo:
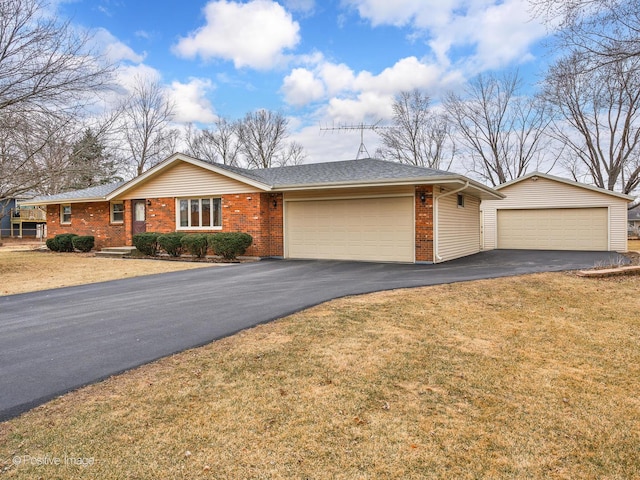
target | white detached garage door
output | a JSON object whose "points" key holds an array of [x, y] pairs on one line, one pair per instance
{"points": [[378, 229], [554, 229]]}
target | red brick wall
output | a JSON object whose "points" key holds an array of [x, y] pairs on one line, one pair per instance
{"points": [[255, 214], [272, 224], [424, 224], [88, 219], [161, 215], [252, 213]]}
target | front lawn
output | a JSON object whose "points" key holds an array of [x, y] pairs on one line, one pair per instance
{"points": [[527, 377], [30, 270]]}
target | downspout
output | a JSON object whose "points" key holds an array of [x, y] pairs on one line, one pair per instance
{"points": [[436, 221]]}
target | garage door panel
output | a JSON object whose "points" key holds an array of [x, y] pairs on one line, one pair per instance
{"points": [[554, 229], [354, 229]]}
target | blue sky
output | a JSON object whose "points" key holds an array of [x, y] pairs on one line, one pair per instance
{"points": [[318, 62]]}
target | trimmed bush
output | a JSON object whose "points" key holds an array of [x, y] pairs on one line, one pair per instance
{"points": [[64, 242], [146, 243], [83, 243], [195, 244], [171, 243], [52, 245], [230, 245]]}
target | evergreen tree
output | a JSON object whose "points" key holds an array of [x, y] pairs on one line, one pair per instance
{"points": [[89, 163]]}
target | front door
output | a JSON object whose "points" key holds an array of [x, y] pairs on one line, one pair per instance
{"points": [[139, 217]]}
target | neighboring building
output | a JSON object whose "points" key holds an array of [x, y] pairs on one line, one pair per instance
{"points": [[633, 218], [20, 220], [543, 212], [350, 210]]}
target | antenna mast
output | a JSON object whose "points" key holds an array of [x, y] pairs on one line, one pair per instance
{"points": [[362, 127]]}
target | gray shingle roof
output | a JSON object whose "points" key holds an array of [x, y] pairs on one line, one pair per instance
{"points": [[364, 170], [367, 170], [88, 193]]}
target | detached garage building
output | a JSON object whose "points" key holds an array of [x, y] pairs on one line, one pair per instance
{"points": [[543, 212], [366, 209]]}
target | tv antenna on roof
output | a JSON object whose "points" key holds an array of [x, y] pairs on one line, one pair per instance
{"points": [[362, 127]]}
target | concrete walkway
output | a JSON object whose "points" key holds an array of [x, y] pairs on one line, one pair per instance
{"points": [[55, 341]]}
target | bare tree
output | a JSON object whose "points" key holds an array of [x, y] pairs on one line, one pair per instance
{"points": [[504, 133], [145, 125], [605, 30], [293, 154], [418, 136], [45, 65], [218, 145], [263, 140], [47, 74], [598, 119]]}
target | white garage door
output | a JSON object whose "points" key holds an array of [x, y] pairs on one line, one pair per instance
{"points": [[554, 229], [379, 229]]}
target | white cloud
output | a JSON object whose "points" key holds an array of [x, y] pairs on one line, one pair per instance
{"points": [[367, 106], [301, 87], [127, 75], [505, 34], [337, 77], [114, 49], [498, 32], [354, 97], [421, 13], [191, 103], [407, 74], [253, 34]]}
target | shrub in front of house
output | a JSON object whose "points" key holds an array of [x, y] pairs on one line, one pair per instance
{"points": [[230, 245], [171, 243], [84, 243], [195, 244], [146, 243], [52, 245], [64, 242]]}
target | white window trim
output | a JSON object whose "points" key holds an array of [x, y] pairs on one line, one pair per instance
{"points": [[62, 220], [192, 229], [458, 197], [116, 222]]}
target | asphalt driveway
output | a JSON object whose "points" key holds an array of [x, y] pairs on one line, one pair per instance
{"points": [[54, 341]]}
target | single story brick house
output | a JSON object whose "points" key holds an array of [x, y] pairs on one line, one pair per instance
{"points": [[545, 212], [367, 209]]}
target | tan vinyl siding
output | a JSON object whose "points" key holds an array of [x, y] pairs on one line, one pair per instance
{"points": [[458, 227], [339, 193], [184, 180], [545, 193]]}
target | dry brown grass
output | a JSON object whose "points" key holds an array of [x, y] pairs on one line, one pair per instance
{"points": [[528, 377], [634, 245], [26, 270]]}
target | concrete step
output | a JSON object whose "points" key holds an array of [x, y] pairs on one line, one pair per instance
{"points": [[116, 252]]}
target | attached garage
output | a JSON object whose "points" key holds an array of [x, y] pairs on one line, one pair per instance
{"points": [[543, 212], [376, 229]]}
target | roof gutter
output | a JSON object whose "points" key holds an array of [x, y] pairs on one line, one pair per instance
{"points": [[436, 240]]}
